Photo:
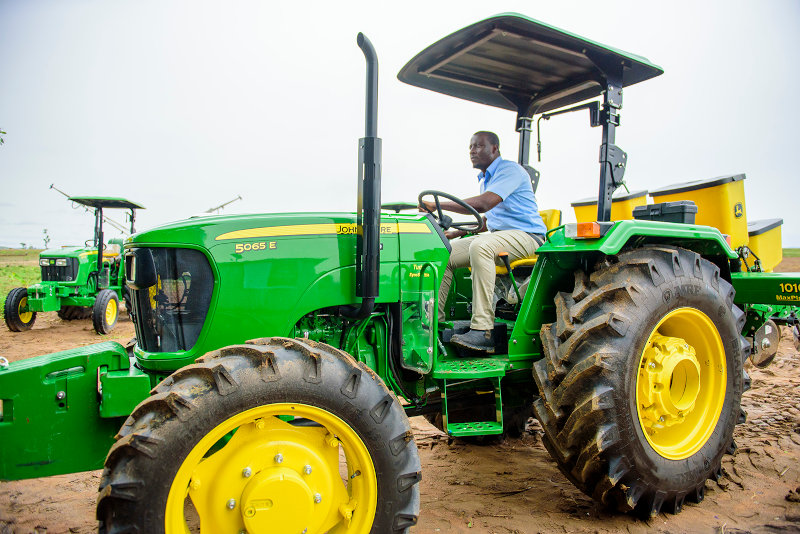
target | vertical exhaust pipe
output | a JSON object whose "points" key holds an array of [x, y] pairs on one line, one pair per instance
{"points": [[369, 191], [371, 127], [98, 236]]}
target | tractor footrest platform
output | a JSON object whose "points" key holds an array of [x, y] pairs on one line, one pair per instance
{"points": [[470, 368], [476, 428], [474, 375]]}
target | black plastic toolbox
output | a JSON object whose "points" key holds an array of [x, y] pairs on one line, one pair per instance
{"points": [[682, 211]]}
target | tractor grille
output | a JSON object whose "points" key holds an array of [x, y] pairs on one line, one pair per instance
{"points": [[54, 273]]}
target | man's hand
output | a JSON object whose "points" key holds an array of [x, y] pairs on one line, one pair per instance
{"points": [[452, 234], [482, 203], [426, 207]]}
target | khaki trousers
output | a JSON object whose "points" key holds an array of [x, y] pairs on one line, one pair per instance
{"points": [[481, 253]]}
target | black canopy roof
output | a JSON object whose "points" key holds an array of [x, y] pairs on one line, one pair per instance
{"points": [[514, 62], [106, 202]]}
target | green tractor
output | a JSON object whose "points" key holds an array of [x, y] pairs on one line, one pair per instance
{"points": [[77, 282], [279, 356]]}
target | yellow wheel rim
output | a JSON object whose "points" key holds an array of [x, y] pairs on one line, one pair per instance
{"points": [[680, 388], [24, 316], [272, 476], [111, 312]]}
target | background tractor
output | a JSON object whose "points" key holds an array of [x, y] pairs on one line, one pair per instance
{"points": [[77, 282], [279, 356]]}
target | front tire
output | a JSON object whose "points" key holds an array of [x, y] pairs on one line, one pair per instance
{"points": [[278, 435], [642, 379], [16, 317], [105, 311]]}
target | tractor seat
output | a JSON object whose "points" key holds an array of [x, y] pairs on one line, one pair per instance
{"points": [[552, 219], [111, 250], [522, 262]]}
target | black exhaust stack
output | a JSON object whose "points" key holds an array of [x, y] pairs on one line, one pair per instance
{"points": [[98, 238], [369, 191]]}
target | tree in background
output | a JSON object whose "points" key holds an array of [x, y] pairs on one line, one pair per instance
{"points": [[46, 237], [1, 139]]}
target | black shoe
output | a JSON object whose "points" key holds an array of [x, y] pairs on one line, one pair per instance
{"points": [[482, 340]]}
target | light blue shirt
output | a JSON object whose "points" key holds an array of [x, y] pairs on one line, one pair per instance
{"points": [[518, 210]]}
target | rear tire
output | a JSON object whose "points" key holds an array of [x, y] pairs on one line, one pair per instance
{"points": [[16, 319], [105, 311], [72, 313], [171, 446], [642, 379]]}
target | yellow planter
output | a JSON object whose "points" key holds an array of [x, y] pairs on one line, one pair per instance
{"points": [[720, 203], [765, 243], [621, 206]]}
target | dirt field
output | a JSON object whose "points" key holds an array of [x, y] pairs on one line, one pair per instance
{"points": [[507, 487]]}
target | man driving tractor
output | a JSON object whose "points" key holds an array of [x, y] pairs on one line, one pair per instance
{"points": [[514, 226]]}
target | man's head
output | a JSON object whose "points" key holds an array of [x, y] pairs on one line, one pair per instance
{"points": [[484, 148]]}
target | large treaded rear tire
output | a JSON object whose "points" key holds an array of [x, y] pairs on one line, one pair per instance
{"points": [[165, 431], [589, 377], [72, 313]]}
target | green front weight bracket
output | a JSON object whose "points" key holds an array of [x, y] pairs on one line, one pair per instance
{"points": [[59, 412]]}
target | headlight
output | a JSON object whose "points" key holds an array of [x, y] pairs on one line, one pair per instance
{"points": [[61, 262], [44, 262]]}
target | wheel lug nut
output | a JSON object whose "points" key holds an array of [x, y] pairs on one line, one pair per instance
{"points": [[317, 498], [307, 470], [278, 458], [231, 504], [246, 472], [652, 365]]}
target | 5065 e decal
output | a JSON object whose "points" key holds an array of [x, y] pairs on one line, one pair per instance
{"points": [[263, 245]]}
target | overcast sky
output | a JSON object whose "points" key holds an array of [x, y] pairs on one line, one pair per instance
{"points": [[183, 105]]}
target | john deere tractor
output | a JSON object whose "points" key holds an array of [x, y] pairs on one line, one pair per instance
{"points": [[77, 282], [279, 356]]}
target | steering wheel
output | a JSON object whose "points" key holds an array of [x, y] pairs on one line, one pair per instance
{"points": [[445, 221]]}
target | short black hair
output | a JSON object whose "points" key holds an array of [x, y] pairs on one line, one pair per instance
{"points": [[493, 139]]}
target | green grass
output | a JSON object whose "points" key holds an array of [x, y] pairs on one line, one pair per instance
{"points": [[16, 255], [18, 268], [791, 253]]}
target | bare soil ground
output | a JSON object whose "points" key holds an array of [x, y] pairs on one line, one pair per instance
{"points": [[506, 487]]}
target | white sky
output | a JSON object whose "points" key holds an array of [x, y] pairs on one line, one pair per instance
{"points": [[182, 105]]}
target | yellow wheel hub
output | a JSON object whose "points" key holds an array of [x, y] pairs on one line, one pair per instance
{"points": [[273, 476], [680, 387], [111, 311], [277, 496], [24, 316]]}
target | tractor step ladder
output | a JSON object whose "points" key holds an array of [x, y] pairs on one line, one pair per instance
{"points": [[457, 373]]}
